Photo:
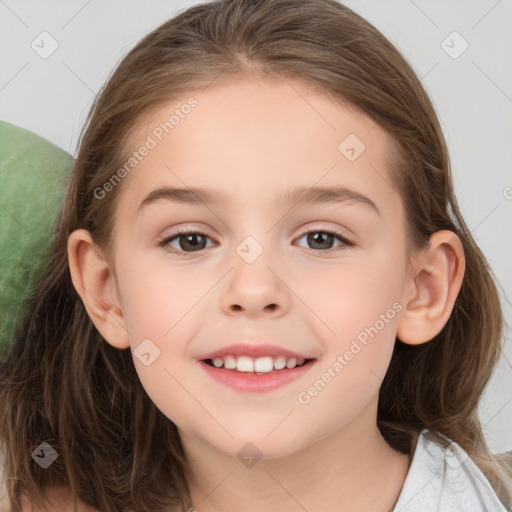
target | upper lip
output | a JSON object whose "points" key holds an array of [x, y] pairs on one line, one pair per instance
{"points": [[252, 350]]}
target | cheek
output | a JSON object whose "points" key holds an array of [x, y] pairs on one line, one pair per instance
{"points": [[162, 310], [157, 308], [350, 296], [155, 297], [359, 302]]}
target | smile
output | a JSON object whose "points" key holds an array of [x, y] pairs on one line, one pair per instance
{"points": [[262, 365], [253, 367]]}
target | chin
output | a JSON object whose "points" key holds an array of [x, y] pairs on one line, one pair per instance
{"points": [[261, 445]]}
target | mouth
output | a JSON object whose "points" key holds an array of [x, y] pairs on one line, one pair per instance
{"points": [[245, 374], [260, 365]]}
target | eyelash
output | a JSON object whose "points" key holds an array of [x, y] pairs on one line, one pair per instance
{"points": [[166, 240]]}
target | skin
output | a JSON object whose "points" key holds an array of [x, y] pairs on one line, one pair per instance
{"points": [[252, 140]]}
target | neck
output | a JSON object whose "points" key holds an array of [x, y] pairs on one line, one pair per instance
{"points": [[351, 469]]}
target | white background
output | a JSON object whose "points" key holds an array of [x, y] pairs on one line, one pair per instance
{"points": [[472, 95]]}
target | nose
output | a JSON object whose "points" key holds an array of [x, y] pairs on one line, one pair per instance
{"points": [[255, 290]]}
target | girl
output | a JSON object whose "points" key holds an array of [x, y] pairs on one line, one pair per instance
{"points": [[262, 294]]}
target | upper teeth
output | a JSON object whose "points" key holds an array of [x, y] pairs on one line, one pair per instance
{"points": [[260, 365]]}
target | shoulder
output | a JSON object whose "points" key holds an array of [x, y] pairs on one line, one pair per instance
{"points": [[446, 477], [58, 500]]}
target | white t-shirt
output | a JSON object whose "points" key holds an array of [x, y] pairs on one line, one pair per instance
{"points": [[445, 480]]}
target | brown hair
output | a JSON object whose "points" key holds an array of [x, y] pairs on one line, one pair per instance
{"points": [[63, 384]]}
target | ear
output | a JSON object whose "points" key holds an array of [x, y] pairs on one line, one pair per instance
{"points": [[434, 284], [95, 282]]}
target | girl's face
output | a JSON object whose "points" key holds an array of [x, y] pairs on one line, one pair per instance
{"points": [[260, 269]]}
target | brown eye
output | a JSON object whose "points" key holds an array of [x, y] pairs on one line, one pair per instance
{"points": [[187, 242], [323, 240]]}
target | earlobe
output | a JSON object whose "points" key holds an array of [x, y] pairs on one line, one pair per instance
{"points": [[433, 288], [95, 282]]}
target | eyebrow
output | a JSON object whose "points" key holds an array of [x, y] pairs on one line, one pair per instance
{"points": [[303, 195]]}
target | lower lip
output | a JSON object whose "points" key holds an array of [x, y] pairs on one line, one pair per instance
{"points": [[256, 382]]}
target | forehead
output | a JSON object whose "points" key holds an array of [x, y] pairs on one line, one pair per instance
{"points": [[255, 138]]}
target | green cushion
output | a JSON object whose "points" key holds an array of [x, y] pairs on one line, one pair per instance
{"points": [[32, 179]]}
